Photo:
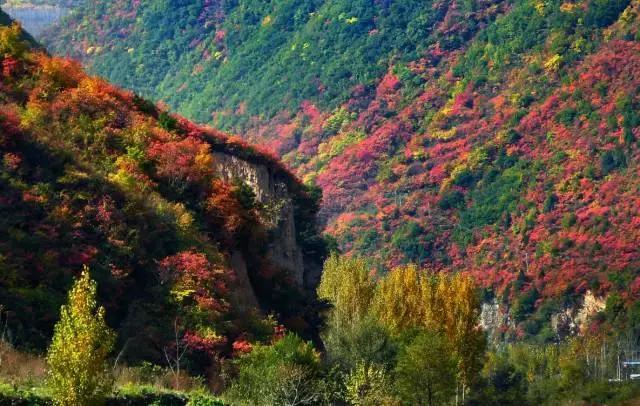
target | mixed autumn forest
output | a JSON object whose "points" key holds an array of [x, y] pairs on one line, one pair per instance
{"points": [[466, 171]]}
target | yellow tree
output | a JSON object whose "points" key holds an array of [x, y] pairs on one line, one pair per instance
{"points": [[348, 285], [463, 329], [78, 373], [398, 302], [442, 303], [353, 338]]}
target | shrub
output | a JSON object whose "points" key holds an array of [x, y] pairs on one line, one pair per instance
{"points": [[451, 200], [81, 343], [12, 41], [365, 342], [369, 385], [286, 372], [612, 160]]}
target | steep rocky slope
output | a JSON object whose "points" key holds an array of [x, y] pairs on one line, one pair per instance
{"points": [[181, 225]]}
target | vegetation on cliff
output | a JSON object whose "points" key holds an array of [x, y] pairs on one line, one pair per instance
{"points": [[95, 176], [499, 138]]}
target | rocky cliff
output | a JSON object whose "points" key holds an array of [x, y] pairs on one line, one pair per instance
{"points": [[155, 206], [272, 192], [566, 321]]}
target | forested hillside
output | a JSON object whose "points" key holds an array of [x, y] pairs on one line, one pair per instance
{"points": [[95, 176], [495, 137]]}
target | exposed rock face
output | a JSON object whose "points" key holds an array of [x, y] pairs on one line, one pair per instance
{"points": [[570, 321], [243, 297], [575, 320], [272, 192], [495, 320]]}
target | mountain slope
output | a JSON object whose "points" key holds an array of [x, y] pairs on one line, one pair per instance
{"points": [[157, 207], [498, 138]]}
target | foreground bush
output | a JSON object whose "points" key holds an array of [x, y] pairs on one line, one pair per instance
{"points": [[285, 373], [142, 397], [78, 374]]}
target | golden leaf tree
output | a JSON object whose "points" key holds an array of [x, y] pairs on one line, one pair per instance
{"points": [[347, 284], [447, 304], [78, 373]]}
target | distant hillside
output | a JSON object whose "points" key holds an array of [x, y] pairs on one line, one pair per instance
{"points": [[177, 223], [35, 18], [29, 3], [496, 137]]}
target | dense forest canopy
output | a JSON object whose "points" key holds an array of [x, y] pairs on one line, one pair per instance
{"points": [[499, 138], [96, 176], [478, 167]]}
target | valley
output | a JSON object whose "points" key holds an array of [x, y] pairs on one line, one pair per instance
{"points": [[35, 17], [389, 202]]}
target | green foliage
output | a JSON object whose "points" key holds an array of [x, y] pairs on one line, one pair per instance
{"points": [[203, 399], [124, 397], [412, 240], [12, 41], [452, 199], [568, 220], [502, 383], [493, 200], [167, 121], [364, 343], [602, 13], [285, 372], [78, 373], [245, 195], [611, 160], [296, 45], [347, 284], [368, 386], [10, 396], [525, 305], [425, 373]]}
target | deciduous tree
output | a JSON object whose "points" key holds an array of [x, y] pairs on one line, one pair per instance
{"points": [[82, 341]]}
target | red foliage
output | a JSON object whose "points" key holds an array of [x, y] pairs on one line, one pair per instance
{"points": [[12, 161], [10, 66], [193, 273], [187, 160], [242, 346], [208, 345], [223, 208]]}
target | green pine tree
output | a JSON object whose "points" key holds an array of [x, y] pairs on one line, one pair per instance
{"points": [[78, 373]]}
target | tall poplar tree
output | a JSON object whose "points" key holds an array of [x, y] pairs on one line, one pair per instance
{"points": [[78, 372]]}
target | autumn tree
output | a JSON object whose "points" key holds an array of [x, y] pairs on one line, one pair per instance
{"points": [[369, 386], [183, 161], [354, 339], [456, 305], [447, 304], [12, 41], [199, 290], [78, 373], [347, 284], [398, 301]]}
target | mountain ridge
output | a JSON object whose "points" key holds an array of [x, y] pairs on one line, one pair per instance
{"points": [[495, 138], [96, 176]]}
